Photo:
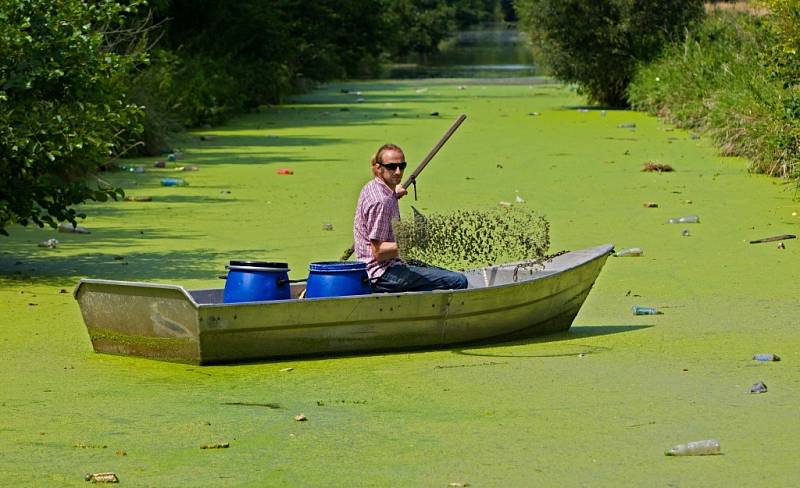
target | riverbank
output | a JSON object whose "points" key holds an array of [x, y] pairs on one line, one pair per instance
{"points": [[733, 78], [596, 406]]}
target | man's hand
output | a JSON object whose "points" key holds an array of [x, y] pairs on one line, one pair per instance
{"points": [[400, 192]]}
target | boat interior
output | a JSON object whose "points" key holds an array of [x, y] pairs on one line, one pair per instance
{"points": [[477, 278]]}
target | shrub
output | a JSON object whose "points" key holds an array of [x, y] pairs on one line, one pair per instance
{"points": [[783, 65], [417, 26], [62, 110], [597, 44], [716, 80]]}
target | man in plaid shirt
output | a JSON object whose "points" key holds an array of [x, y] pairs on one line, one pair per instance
{"points": [[375, 243]]}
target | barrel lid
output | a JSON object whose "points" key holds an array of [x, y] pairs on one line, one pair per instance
{"points": [[259, 264], [329, 266]]}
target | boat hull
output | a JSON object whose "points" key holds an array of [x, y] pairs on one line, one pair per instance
{"points": [[170, 323]]}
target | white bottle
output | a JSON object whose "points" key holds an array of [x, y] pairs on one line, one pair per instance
{"points": [[689, 219], [631, 251], [696, 448]]}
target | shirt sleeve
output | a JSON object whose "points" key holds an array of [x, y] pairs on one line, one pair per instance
{"points": [[379, 221]]}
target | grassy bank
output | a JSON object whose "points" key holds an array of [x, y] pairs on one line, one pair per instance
{"points": [[728, 78]]}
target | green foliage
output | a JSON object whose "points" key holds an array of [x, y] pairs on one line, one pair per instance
{"points": [[474, 238], [719, 80], [784, 54], [218, 58], [472, 12], [418, 26], [597, 44], [782, 62], [62, 110]]}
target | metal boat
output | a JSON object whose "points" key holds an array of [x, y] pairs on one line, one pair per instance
{"points": [[171, 323]]}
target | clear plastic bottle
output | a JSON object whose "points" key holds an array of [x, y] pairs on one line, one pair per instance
{"points": [[689, 219], [67, 227], [696, 448], [766, 357], [629, 252], [638, 310]]}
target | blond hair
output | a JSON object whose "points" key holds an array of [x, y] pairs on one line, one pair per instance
{"points": [[377, 158]]}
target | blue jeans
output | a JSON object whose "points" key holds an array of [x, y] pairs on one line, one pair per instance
{"points": [[409, 277]]}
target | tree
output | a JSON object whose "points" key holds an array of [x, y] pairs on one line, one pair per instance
{"points": [[417, 26], [597, 44], [62, 109]]}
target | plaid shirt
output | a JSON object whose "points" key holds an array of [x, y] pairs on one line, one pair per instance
{"points": [[377, 208]]}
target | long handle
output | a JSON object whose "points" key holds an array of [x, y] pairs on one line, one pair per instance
{"points": [[413, 177]]}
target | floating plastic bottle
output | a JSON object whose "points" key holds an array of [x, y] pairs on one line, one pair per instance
{"points": [[759, 387], [108, 477], [68, 227], [697, 448], [689, 219], [173, 182], [766, 357], [638, 310], [629, 252], [49, 243]]}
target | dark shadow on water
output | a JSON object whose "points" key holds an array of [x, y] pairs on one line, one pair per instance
{"points": [[592, 108], [200, 199], [577, 332], [163, 267]]}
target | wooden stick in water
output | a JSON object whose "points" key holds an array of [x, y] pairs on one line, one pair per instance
{"points": [[774, 238]]}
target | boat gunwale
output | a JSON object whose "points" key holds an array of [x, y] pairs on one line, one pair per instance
{"points": [[595, 252], [450, 316]]}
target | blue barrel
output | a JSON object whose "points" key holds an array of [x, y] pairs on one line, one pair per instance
{"points": [[256, 281], [337, 278]]}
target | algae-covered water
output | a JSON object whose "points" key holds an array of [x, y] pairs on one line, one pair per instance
{"points": [[595, 406]]}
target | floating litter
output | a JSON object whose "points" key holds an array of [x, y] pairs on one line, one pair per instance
{"points": [[107, 477], [759, 387]]}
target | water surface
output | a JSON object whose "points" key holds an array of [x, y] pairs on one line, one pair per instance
{"points": [[491, 51], [595, 406]]}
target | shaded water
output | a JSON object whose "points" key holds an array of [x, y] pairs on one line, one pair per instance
{"points": [[492, 51]]}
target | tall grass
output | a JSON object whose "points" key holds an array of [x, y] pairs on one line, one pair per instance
{"points": [[718, 81]]}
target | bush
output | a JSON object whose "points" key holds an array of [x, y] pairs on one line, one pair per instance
{"points": [[417, 26], [62, 109], [219, 58], [718, 80], [783, 65], [598, 44]]}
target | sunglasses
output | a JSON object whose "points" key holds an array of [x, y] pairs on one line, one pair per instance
{"points": [[393, 166]]}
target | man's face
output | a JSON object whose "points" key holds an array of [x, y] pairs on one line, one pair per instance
{"points": [[393, 174]]}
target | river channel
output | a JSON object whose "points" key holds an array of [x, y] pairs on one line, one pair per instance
{"points": [[596, 406], [491, 51]]}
